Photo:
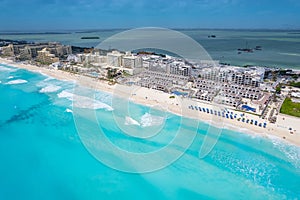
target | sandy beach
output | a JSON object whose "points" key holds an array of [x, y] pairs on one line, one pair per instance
{"points": [[180, 106]]}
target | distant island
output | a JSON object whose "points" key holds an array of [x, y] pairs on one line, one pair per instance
{"points": [[90, 38]]}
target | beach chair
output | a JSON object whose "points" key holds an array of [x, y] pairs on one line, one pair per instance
{"points": [[265, 125]]}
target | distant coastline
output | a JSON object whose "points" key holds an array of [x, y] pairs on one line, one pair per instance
{"points": [[67, 31], [223, 47], [90, 37]]}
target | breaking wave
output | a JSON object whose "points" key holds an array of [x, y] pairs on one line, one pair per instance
{"points": [[50, 88], [290, 151], [69, 110], [6, 69], [65, 94], [130, 121], [84, 102], [49, 78], [18, 81], [151, 120]]}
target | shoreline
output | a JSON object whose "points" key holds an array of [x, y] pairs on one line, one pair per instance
{"points": [[177, 105]]}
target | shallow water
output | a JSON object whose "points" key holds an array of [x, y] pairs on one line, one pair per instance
{"points": [[43, 157]]}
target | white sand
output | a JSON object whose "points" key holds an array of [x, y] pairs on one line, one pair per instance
{"points": [[179, 105]]}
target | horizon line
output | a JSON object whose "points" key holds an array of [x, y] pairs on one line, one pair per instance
{"points": [[114, 29]]}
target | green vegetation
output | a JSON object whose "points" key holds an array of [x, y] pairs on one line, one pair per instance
{"points": [[111, 73], [290, 108], [278, 89], [295, 76], [45, 63], [126, 74], [172, 97], [295, 84]]}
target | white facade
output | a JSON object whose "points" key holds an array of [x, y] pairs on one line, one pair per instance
{"points": [[132, 62], [179, 68], [114, 59]]}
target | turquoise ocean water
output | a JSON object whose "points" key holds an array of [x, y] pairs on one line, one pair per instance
{"points": [[42, 156]]}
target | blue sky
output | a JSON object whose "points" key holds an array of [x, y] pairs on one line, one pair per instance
{"points": [[99, 14]]}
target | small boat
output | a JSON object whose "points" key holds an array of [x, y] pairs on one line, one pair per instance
{"points": [[246, 49], [259, 48]]}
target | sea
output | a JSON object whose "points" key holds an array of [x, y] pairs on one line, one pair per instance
{"points": [[279, 48], [59, 140]]}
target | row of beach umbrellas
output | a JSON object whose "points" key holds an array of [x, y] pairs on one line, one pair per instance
{"points": [[227, 114]]}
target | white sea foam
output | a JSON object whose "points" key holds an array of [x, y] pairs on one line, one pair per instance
{"points": [[103, 97], [84, 102], [290, 151], [68, 110], [49, 78], [17, 81], [6, 69], [10, 77], [151, 120], [290, 54], [66, 94], [130, 121], [43, 83], [46, 75], [50, 88]]}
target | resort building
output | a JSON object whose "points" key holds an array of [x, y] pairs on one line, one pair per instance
{"points": [[179, 68], [25, 54], [45, 57], [131, 61], [30, 51], [59, 50], [94, 58], [225, 92], [114, 59], [11, 50], [161, 81], [252, 76]]}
